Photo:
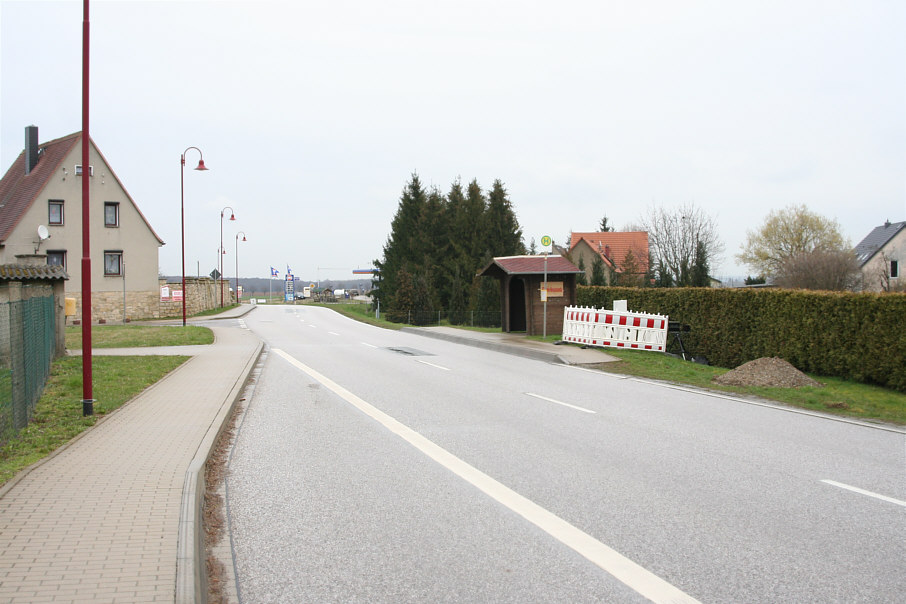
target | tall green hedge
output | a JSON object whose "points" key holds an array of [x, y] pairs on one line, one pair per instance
{"points": [[861, 337]]}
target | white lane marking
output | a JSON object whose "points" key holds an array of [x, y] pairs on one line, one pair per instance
{"points": [[368, 345], [864, 492], [556, 402], [242, 324], [623, 569], [432, 365], [333, 333]]}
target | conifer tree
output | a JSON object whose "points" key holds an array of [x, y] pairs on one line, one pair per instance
{"points": [[401, 249]]}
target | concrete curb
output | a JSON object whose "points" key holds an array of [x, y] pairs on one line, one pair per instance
{"points": [[191, 566], [520, 351]]}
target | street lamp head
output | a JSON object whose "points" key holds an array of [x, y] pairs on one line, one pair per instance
{"points": [[243, 238], [201, 165], [232, 216]]}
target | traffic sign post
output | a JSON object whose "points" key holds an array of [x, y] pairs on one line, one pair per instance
{"points": [[547, 246]]}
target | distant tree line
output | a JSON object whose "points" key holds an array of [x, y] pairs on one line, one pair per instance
{"points": [[437, 245]]}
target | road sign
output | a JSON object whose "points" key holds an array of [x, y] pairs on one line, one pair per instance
{"points": [[547, 245], [289, 289], [215, 274]]}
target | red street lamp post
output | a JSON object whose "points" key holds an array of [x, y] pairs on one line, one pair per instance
{"points": [[237, 262], [232, 217], [182, 218]]}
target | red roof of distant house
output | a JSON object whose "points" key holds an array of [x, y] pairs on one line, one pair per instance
{"points": [[617, 245], [531, 265]]}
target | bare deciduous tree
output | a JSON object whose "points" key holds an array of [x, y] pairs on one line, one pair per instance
{"points": [[673, 237], [828, 270]]}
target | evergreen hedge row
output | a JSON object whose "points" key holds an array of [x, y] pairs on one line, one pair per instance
{"points": [[860, 337]]}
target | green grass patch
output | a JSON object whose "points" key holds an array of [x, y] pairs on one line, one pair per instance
{"points": [[58, 415], [139, 336], [837, 396], [360, 312]]}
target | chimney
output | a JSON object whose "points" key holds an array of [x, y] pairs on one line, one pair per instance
{"points": [[31, 148], [607, 251]]}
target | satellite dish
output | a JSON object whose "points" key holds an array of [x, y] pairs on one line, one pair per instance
{"points": [[43, 233]]}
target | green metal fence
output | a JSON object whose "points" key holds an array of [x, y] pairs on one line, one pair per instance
{"points": [[27, 343]]}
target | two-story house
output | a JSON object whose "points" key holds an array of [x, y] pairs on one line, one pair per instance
{"points": [[880, 256], [41, 213]]}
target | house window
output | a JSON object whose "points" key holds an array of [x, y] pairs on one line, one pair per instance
{"points": [[55, 212], [78, 170], [894, 269], [113, 264], [56, 258], [111, 214]]}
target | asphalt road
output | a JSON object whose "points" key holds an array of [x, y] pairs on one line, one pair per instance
{"points": [[380, 466]]}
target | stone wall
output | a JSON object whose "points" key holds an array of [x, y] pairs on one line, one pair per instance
{"points": [[107, 307]]}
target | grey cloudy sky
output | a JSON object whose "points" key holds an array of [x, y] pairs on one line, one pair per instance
{"points": [[313, 115]]}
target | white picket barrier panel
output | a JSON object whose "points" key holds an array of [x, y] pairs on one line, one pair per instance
{"points": [[614, 328]]}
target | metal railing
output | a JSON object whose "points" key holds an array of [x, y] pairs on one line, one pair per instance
{"points": [[27, 343]]}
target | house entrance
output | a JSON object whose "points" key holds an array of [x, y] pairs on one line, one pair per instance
{"points": [[517, 304]]}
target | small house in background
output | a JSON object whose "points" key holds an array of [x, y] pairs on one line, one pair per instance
{"points": [[41, 214], [521, 304], [880, 255], [623, 255]]}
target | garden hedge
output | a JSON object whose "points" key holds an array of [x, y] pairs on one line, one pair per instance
{"points": [[861, 337]]}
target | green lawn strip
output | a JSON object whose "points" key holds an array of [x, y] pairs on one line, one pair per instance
{"points": [[58, 415], [362, 313], [132, 336], [837, 396]]}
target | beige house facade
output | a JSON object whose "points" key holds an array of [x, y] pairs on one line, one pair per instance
{"points": [[41, 213], [881, 256]]}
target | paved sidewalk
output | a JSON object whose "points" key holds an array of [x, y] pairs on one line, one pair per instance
{"points": [[111, 516], [518, 344]]}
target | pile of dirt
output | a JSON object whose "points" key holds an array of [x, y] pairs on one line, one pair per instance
{"points": [[768, 372]]}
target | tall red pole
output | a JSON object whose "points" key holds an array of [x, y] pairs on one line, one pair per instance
{"points": [[87, 393]]}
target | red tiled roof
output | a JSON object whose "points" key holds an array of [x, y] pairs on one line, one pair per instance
{"points": [[532, 265], [619, 243], [18, 190]]}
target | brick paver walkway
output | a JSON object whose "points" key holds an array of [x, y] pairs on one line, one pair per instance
{"points": [[98, 521]]}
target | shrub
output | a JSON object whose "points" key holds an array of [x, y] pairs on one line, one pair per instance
{"points": [[854, 336]]}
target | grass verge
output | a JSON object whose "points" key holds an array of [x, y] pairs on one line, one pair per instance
{"points": [[837, 396], [132, 336], [58, 415]]}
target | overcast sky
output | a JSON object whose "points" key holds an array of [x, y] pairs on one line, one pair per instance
{"points": [[313, 115]]}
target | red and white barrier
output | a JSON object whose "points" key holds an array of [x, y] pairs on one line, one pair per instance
{"points": [[614, 328]]}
